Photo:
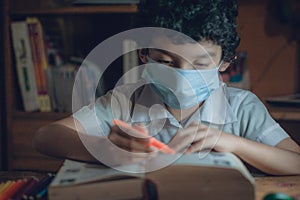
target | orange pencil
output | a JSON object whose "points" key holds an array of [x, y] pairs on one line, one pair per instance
{"points": [[4, 186], [11, 190], [25, 187], [1, 186], [9, 185], [152, 142]]}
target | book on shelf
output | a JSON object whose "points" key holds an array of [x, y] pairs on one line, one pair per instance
{"points": [[193, 176], [40, 62], [79, 2], [24, 65], [130, 61], [50, 77], [62, 93]]}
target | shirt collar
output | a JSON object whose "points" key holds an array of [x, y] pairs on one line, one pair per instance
{"points": [[148, 107], [216, 109]]}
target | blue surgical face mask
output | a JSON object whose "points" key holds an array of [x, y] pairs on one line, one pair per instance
{"points": [[179, 88]]}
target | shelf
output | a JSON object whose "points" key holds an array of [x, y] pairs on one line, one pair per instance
{"points": [[78, 10], [40, 115], [77, 21], [285, 113]]}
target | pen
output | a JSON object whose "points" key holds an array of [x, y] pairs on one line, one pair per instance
{"points": [[26, 187], [41, 187], [152, 142]]}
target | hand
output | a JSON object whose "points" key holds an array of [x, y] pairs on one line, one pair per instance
{"points": [[130, 140], [120, 148], [199, 137]]}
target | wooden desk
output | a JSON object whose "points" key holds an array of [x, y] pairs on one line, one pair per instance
{"points": [[289, 185], [288, 118], [277, 184]]}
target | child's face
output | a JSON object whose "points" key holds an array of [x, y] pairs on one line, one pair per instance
{"points": [[202, 55]]}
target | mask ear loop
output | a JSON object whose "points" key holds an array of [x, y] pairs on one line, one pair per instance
{"points": [[150, 60], [221, 63]]}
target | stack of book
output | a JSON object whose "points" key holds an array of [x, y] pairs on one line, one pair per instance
{"points": [[31, 64], [45, 80], [208, 176]]}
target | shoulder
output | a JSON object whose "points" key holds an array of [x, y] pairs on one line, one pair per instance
{"points": [[120, 93], [239, 97], [237, 93], [245, 103]]}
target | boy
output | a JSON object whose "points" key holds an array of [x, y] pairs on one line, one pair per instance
{"points": [[181, 100]]}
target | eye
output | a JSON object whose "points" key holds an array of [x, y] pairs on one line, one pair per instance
{"points": [[166, 62], [201, 65]]}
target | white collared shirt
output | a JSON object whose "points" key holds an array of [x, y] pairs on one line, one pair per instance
{"points": [[231, 110]]}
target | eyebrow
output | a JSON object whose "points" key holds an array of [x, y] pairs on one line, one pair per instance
{"points": [[162, 51], [212, 54]]}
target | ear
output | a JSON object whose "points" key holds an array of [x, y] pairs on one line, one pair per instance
{"points": [[143, 55], [224, 66]]}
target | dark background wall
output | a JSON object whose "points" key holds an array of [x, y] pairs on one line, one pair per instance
{"points": [[2, 95], [272, 57]]}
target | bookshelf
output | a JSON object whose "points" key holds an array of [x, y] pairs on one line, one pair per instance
{"points": [[83, 24], [86, 20], [1, 94]]}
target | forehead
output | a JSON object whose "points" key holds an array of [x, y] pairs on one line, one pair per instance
{"points": [[188, 50]]}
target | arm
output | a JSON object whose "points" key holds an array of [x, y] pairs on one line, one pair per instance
{"points": [[283, 159], [61, 139]]}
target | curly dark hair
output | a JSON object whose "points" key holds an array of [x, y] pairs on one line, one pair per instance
{"points": [[199, 19]]}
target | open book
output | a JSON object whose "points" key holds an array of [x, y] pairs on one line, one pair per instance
{"points": [[213, 176]]}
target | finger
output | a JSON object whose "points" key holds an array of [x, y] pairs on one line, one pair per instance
{"points": [[192, 130], [136, 146], [205, 144], [118, 140], [184, 137], [196, 147], [129, 144], [140, 157], [182, 133], [116, 129], [180, 142], [141, 129], [128, 128], [119, 157], [134, 132], [204, 131]]}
